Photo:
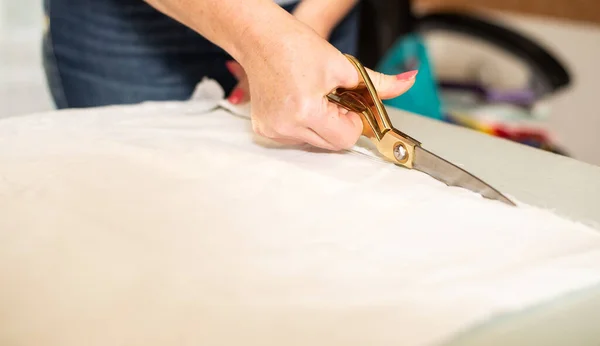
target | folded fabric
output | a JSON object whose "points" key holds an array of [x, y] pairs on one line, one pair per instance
{"points": [[173, 224]]}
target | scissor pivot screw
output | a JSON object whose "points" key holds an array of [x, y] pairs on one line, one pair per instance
{"points": [[400, 152]]}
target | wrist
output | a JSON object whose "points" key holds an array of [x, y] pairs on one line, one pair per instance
{"points": [[270, 33], [323, 15], [309, 15], [238, 27]]}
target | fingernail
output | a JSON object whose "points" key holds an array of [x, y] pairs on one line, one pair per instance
{"points": [[406, 76], [236, 96]]}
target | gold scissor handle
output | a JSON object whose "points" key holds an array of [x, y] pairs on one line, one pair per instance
{"points": [[363, 99]]}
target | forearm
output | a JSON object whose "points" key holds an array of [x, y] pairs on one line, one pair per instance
{"points": [[323, 15], [234, 25]]}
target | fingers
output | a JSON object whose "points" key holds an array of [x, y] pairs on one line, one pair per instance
{"points": [[294, 136], [325, 126], [321, 124], [340, 128], [309, 136], [236, 69], [389, 86], [241, 93]]}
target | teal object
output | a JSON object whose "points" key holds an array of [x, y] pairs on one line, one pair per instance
{"points": [[410, 53]]}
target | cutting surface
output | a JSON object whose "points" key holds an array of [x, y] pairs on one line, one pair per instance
{"points": [[171, 224]]}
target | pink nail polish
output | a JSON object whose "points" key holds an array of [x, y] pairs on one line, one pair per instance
{"points": [[406, 76], [236, 96]]}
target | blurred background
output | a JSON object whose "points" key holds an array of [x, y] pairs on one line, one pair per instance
{"points": [[22, 85], [523, 70]]}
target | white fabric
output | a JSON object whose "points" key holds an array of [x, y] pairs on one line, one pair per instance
{"points": [[171, 224]]}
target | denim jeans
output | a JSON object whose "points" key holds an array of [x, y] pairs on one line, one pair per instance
{"points": [[106, 52]]}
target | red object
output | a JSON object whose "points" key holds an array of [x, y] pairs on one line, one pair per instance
{"points": [[499, 131]]}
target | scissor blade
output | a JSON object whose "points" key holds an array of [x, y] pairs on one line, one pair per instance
{"points": [[452, 175]]}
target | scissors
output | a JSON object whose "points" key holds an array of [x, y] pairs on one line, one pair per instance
{"points": [[398, 147]]}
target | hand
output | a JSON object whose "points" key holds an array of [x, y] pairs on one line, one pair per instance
{"points": [[320, 15], [288, 82]]}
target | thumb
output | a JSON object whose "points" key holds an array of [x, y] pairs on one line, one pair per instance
{"points": [[390, 86]]}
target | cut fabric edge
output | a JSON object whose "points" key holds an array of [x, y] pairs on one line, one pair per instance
{"points": [[209, 95], [365, 149], [210, 90]]}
